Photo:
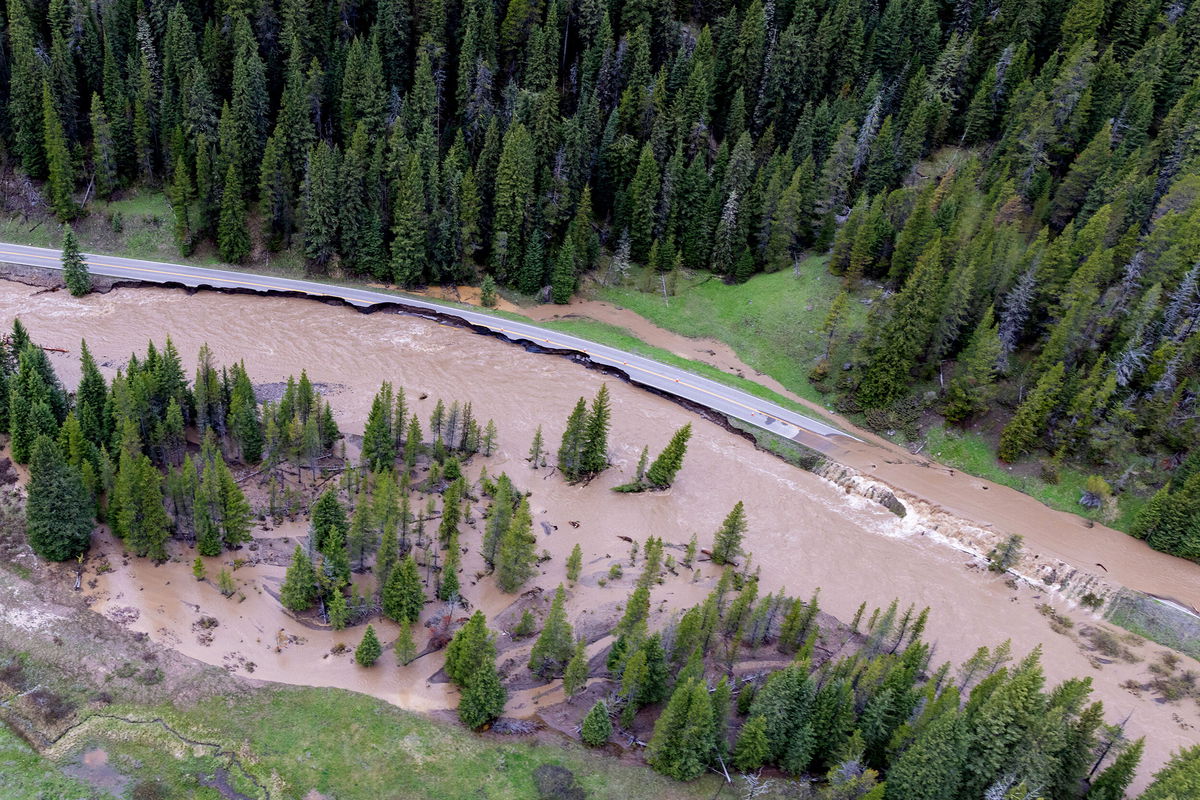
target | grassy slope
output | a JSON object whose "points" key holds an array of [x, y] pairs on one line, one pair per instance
{"points": [[766, 321], [349, 746], [25, 775], [773, 321]]}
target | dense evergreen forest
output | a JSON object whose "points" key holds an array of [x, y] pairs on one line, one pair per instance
{"points": [[1017, 183], [883, 721]]}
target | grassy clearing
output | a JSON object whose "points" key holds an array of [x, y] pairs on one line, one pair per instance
{"points": [[349, 746], [772, 321], [614, 336], [971, 453], [25, 775]]}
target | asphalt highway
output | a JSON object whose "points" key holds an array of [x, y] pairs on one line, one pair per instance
{"points": [[661, 377]]}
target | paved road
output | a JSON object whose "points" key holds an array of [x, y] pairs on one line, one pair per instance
{"points": [[670, 380]]}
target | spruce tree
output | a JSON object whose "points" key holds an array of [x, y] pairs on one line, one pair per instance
{"points": [[403, 596], [537, 451], [553, 648], [61, 178], [593, 455], [1020, 434], [1179, 779], [233, 236], [75, 270], [902, 339], [338, 612], [327, 514], [972, 389], [337, 558], [471, 649], [931, 767], [1115, 779], [753, 749], [483, 698], [59, 510], [683, 735], [570, 452], [405, 647], [143, 519], [597, 727], [299, 589], [727, 542], [576, 674], [369, 649], [664, 469], [516, 558], [574, 563], [448, 586]]}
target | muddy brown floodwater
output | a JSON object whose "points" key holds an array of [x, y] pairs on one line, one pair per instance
{"points": [[805, 532]]}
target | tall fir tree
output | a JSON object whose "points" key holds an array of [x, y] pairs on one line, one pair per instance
{"points": [[75, 269]]}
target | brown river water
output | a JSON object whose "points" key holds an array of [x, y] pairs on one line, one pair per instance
{"points": [[805, 532]]}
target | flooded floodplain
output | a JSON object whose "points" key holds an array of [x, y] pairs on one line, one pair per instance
{"points": [[805, 532]]}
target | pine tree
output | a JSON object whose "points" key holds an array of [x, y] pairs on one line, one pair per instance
{"points": [[593, 455], [337, 558], [61, 180], [1115, 779], [483, 698], [597, 727], [299, 589], [571, 450], [574, 563], [59, 510], [664, 469], [143, 519], [403, 597], [753, 749], [369, 649], [515, 174], [643, 198], [931, 767], [405, 648], [233, 237], [971, 389], [320, 201], [338, 612], [562, 277], [516, 558], [451, 511], [683, 735], [576, 674], [727, 542], [362, 539], [1179, 779], [553, 648], [904, 336], [448, 586], [471, 649], [327, 514], [1030, 420], [408, 242], [75, 270]]}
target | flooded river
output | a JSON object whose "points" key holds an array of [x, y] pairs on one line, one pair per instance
{"points": [[804, 531]]}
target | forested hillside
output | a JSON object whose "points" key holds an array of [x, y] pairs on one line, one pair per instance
{"points": [[1018, 181]]}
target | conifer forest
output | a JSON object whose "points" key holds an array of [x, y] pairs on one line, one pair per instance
{"points": [[1005, 195], [1014, 182]]}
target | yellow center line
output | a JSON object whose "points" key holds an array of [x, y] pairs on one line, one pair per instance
{"points": [[276, 287]]}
